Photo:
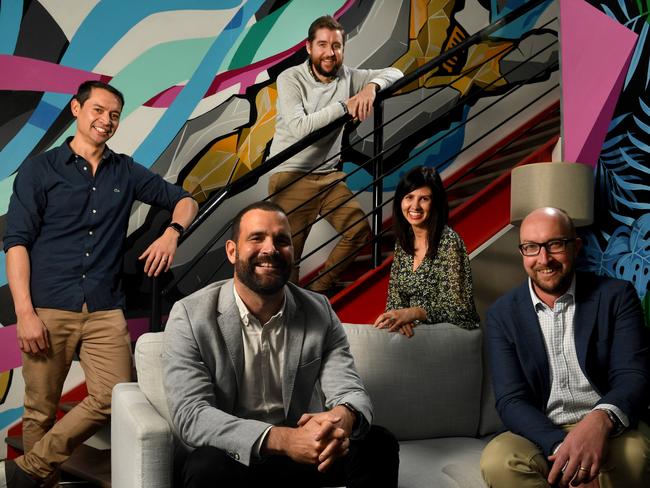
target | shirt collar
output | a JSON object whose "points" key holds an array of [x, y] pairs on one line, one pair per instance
{"points": [[68, 154], [537, 303], [247, 317]]}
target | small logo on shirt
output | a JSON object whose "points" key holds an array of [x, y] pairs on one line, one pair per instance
{"points": [[116, 190]]}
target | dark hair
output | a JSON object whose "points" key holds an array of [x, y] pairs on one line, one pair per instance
{"points": [[417, 178], [83, 92], [265, 205], [327, 22]]}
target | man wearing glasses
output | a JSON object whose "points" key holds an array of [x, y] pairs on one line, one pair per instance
{"points": [[570, 365]]}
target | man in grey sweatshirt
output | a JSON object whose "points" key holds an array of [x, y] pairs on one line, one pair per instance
{"points": [[310, 96]]}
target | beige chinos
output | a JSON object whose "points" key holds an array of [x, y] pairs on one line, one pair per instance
{"points": [[104, 347], [512, 461], [345, 212]]}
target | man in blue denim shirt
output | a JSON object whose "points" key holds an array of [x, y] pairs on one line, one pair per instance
{"points": [[66, 225]]}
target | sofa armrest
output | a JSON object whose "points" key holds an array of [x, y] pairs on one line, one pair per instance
{"points": [[142, 443]]}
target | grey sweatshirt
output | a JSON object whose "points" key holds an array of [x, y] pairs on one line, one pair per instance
{"points": [[305, 105]]}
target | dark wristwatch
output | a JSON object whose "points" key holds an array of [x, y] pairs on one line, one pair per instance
{"points": [[355, 412], [178, 228], [618, 425]]}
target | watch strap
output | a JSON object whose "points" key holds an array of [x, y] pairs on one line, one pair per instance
{"points": [[178, 228]]}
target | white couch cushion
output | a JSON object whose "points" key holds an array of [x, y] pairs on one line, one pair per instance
{"points": [[148, 353], [424, 387], [452, 462], [142, 441]]}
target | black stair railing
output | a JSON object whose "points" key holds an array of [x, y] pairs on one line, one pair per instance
{"points": [[252, 177], [377, 191]]}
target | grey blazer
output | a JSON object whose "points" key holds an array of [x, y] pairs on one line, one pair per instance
{"points": [[203, 363]]}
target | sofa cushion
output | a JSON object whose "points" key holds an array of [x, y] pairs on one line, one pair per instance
{"points": [[148, 353], [451, 462], [424, 387]]}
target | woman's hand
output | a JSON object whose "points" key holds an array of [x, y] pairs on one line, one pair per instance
{"points": [[401, 320]]}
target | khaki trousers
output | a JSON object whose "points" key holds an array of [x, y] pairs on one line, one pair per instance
{"points": [[512, 461], [104, 347], [342, 216]]}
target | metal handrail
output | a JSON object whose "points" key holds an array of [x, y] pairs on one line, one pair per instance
{"points": [[460, 47], [383, 151], [252, 177]]}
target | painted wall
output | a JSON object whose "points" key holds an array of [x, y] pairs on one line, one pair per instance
{"points": [[618, 244], [199, 81]]}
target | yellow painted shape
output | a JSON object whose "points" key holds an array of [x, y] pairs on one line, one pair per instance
{"points": [[237, 154], [488, 75], [5, 384], [256, 138], [214, 168], [418, 18]]}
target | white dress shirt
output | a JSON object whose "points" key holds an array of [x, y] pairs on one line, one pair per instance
{"points": [[260, 396], [572, 395]]}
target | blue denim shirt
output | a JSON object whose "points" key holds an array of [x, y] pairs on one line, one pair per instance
{"points": [[74, 224]]}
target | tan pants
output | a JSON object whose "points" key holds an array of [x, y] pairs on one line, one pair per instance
{"points": [[512, 461], [343, 215], [104, 347]]}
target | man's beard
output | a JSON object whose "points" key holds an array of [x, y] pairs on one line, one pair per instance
{"points": [[267, 284], [316, 66], [560, 285]]}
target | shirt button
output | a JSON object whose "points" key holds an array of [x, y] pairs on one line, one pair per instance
{"points": [[87, 254], [94, 211], [90, 232], [94, 188], [83, 276], [85, 168]]}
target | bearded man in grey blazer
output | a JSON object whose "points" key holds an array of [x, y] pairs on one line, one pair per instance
{"points": [[260, 379]]}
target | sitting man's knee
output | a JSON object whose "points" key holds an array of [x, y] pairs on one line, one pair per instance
{"points": [[508, 457], [492, 461]]}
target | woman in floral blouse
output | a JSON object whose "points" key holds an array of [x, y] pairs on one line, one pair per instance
{"points": [[430, 278]]}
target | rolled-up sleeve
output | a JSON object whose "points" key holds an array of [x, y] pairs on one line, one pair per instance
{"points": [[26, 207]]}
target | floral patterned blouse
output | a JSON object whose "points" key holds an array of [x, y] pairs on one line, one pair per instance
{"points": [[442, 286]]}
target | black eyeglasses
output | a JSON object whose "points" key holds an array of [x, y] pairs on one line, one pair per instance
{"points": [[554, 246]]}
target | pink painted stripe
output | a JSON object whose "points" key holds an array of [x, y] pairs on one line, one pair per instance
{"points": [[596, 51], [10, 355], [26, 74], [246, 75], [9, 351]]}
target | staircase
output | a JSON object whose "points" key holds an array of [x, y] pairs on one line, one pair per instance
{"points": [[469, 180], [503, 156]]}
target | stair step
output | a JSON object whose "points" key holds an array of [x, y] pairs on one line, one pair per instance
{"points": [[86, 463]]}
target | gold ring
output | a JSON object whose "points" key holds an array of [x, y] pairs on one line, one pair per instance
{"points": [[582, 468]]}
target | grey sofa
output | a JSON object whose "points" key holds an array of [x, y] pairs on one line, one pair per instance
{"points": [[430, 391]]}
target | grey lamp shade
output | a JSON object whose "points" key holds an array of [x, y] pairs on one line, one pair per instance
{"points": [[568, 186]]}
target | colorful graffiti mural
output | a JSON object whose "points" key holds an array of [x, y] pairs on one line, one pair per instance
{"points": [[618, 244], [199, 82]]}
